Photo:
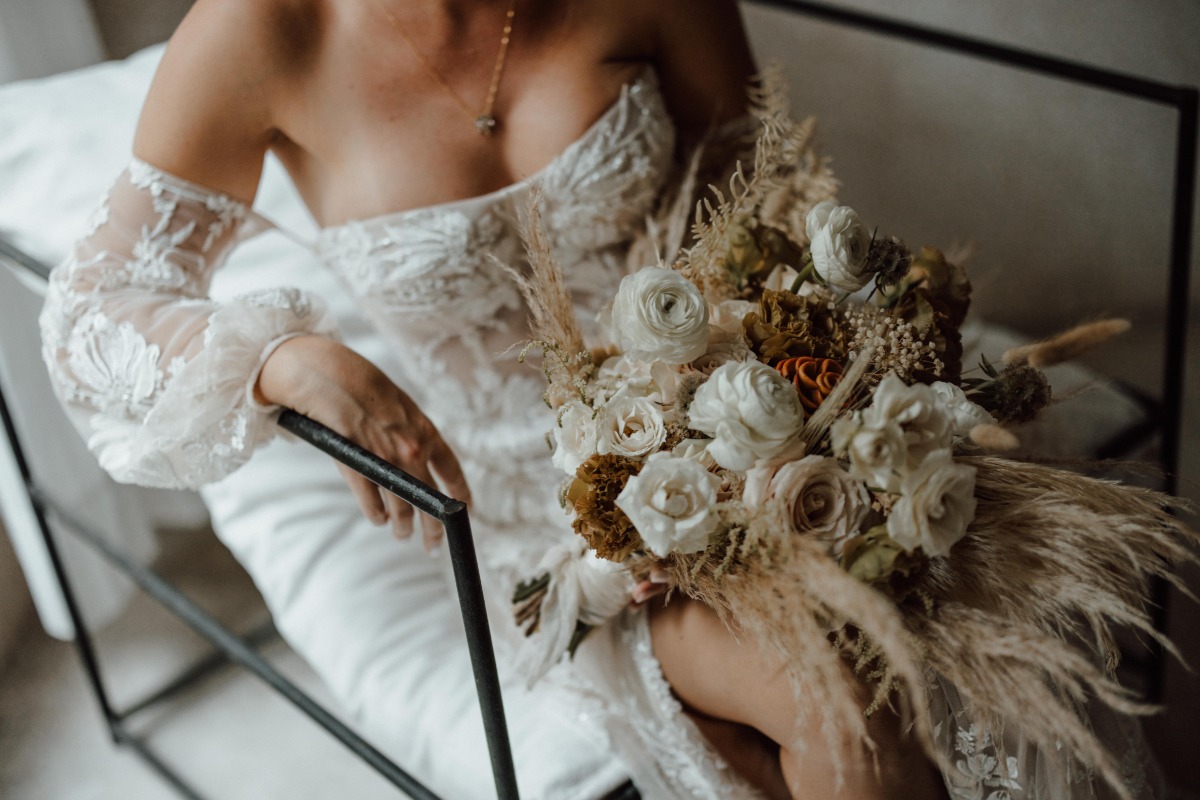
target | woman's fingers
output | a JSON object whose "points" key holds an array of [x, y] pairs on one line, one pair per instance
{"points": [[400, 513], [446, 465], [432, 531], [367, 494]]}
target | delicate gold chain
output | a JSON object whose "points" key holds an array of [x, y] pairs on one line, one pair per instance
{"points": [[485, 121]]}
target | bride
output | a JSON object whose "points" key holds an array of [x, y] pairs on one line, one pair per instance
{"points": [[415, 132]]}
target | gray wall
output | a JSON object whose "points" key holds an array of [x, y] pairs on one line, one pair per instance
{"points": [[1065, 190]]}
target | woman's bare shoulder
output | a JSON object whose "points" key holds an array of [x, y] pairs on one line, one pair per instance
{"points": [[703, 57], [211, 112]]}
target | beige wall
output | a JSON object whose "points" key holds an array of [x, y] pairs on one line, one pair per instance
{"points": [[129, 25]]}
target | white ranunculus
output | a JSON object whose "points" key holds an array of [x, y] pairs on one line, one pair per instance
{"points": [[671, 503], [629, 426], [937, 503], [750, 411], [919, 412], [877, 453], [660, 315], [839, 245], [964, 414], [821, 498], [574, 436]]}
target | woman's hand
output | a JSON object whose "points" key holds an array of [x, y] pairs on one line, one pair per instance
{"points": [[654, 585], [337, 387]]}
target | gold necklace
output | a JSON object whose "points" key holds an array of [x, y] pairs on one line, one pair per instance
{"points": [[485, 120]]}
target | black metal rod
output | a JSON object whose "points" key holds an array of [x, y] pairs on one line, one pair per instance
{"points": [[21, 258], [125, 737], [196, 672], [453, 514], [371, 466], [989, 51], [1175, 361], [483, 655], [83, 639], [204, 624]]}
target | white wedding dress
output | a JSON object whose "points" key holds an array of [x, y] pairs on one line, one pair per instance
{"points": [[157, 377]]}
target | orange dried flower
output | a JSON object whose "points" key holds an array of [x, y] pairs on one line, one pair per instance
{"points": [[814, 378]]}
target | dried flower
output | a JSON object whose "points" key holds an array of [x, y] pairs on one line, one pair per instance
{"points": [[889, 260], [1014, 395], [593, 494], [814, 378]]}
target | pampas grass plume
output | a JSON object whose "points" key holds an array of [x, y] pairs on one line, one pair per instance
{"points": [[994, 437], [1067, 345]]}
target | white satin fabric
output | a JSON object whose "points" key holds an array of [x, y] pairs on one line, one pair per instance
{"points": [[156, 376]]}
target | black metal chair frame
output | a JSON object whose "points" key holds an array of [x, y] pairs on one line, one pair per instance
{"points": [[242, 650]]}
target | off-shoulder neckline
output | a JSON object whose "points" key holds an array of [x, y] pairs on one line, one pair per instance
{"points": [[646, 76]]}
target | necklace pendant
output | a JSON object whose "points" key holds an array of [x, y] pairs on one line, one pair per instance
{"points": [[485, 124]]}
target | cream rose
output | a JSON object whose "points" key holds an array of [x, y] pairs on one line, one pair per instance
{"points": [[629, 426], [963, 414], [671, 503], [660, 315], [574, 436], [839, 245], [821, 498], [877, 453], [937, 503], [750, 411], [919, 412]]}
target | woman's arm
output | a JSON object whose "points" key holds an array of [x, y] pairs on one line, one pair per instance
{"points": [[163, 382]]}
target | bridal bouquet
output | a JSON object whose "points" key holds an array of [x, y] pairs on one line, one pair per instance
{"points": [[783, 426]]}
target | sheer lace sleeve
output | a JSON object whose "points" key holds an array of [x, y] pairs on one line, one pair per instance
{"points": [[157, 377]]}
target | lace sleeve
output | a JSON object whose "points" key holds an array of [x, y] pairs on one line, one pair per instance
{"points": [[157, 377]]}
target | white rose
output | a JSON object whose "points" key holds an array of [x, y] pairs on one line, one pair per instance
{"points": [[964, 414], [660, 315], [877, 453], [574, 437], [820, 497], [918, 411], [839, 245], [671, 502], [629, 426], [937, 503], [750, 411]]}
